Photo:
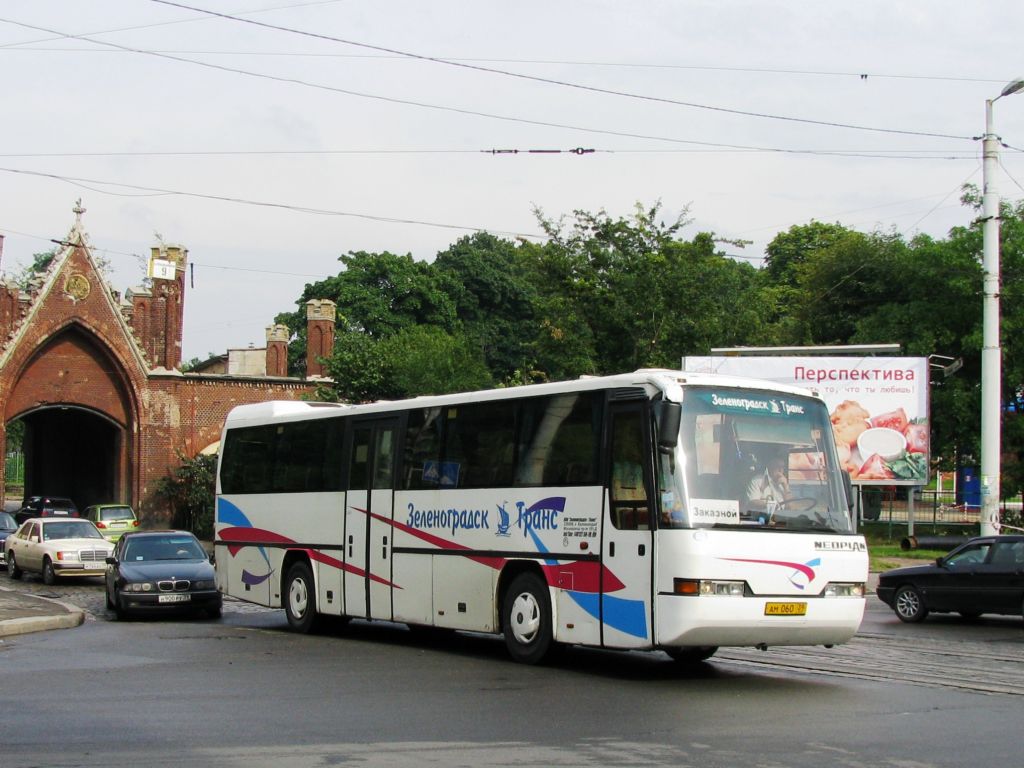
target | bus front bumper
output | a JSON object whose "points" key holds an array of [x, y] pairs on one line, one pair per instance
{"points": [[756, 621]]}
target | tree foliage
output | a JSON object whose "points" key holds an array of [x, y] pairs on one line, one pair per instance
{"points": [[606, 294], [189, 492]]}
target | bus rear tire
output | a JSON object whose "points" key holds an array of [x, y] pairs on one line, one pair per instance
{"points": [[300, 598], [526, 615]]}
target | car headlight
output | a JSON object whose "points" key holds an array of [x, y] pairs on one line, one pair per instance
{"points": [[140, 586], [204, 584], [62, 556], [715, 587], [843, 589]]}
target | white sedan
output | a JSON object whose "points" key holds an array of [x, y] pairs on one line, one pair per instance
{"points": [[57, 547]]}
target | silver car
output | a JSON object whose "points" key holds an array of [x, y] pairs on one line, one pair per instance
{"points": [[56, 547]]}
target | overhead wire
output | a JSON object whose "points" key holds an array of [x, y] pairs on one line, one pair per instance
{"points": [[267, 204], [553, 81], [393, 99], [152, 191], [172, 22], [868, 154]]}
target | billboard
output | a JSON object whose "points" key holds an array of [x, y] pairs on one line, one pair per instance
{"points": [[878, 407]]}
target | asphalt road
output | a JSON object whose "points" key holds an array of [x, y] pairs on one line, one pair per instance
{"points": [[245, 690]]}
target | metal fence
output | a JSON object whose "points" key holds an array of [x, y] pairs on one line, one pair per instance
{"points": [[14, 468], [931, 509]]}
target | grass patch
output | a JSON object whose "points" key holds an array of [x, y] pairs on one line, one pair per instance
{"points": [[885, 557]]}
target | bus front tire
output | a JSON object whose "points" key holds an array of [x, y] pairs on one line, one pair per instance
{"points": [[526, 611], [300, 598]]}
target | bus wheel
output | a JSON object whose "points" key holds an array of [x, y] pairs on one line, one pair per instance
{"points": [[300, 598], [526, 611], [692, 655]]}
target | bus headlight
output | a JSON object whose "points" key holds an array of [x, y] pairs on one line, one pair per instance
{"points": [[708, 587], [843, 589]]}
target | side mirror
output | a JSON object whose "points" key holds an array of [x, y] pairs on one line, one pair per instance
{"points": [[940, 562], [667, 416], [111, 560]]}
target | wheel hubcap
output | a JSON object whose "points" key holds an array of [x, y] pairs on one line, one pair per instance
{"points": [[525, 618], [908, 604], [298, 598]]}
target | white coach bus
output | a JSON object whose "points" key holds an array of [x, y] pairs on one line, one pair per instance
{"points": [[636, 511]]}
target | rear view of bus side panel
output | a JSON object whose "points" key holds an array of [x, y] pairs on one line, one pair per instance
{"points": [[243, 570]]}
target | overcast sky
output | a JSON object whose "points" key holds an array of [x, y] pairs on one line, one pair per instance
{"points": [[271, 143]]}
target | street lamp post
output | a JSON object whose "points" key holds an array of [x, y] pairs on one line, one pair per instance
{"points": [[991, 364]]}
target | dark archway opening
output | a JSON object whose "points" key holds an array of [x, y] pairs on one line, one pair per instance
{"points": [[72, 452]]}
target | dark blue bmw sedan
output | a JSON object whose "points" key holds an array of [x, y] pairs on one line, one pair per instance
{"points": [[156, 571]]}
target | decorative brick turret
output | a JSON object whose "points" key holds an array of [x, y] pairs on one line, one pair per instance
{"points": [[320, 315], [277, 350], [157, 315], [9, 309]]}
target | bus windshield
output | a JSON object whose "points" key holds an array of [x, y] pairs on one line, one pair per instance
{"points": [[759, 459]]}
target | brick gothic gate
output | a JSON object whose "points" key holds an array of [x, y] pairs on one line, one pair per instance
{"points": [[79, 412], [95, 378]]}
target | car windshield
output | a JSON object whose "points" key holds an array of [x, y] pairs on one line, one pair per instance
{"points": [[7, 522], [117, 513], [71, 529], [150, 548]]}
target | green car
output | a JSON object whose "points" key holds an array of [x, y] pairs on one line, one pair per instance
{"points": [[113, 520]]}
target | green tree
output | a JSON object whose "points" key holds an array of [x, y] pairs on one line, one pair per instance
{"points": [[40, 263], [625, 293], [378, 294], [494, 302], [189, 491], [425, 360]]}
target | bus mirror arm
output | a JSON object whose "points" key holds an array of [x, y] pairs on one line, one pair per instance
{"points": [[667, 416]]}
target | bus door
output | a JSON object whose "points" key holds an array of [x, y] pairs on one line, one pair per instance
{"points": [[626, 617], [368, 510]]}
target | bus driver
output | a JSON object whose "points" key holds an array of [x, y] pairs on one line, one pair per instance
{"points": [[769, 488]]}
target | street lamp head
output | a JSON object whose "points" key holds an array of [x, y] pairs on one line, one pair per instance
{"points": [[1013, 87]]}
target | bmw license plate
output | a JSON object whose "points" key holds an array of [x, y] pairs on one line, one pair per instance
{"points": [[785, 609], [177, 597]]}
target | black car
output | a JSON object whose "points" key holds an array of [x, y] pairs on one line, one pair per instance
{"points": [[45, 506], [984, 575], [157, 571]]}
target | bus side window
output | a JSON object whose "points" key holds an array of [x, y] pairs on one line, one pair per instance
{"points": [[630, 510], [422, 448], [559, 439], [359, 465], [484, 434]]}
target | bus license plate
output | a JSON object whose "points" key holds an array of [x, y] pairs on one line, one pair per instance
{"points": [[175, 598], [785, 609]]}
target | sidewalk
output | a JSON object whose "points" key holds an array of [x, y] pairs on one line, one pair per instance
{"points": [[20, 613]]}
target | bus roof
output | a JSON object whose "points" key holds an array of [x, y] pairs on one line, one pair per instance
{"points": [[653, 380]]}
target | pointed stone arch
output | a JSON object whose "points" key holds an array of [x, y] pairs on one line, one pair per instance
{"points": [[81, 412]]}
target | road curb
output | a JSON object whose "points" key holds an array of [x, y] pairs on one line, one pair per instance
{"points": [[11, 627], [45, 614]]}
